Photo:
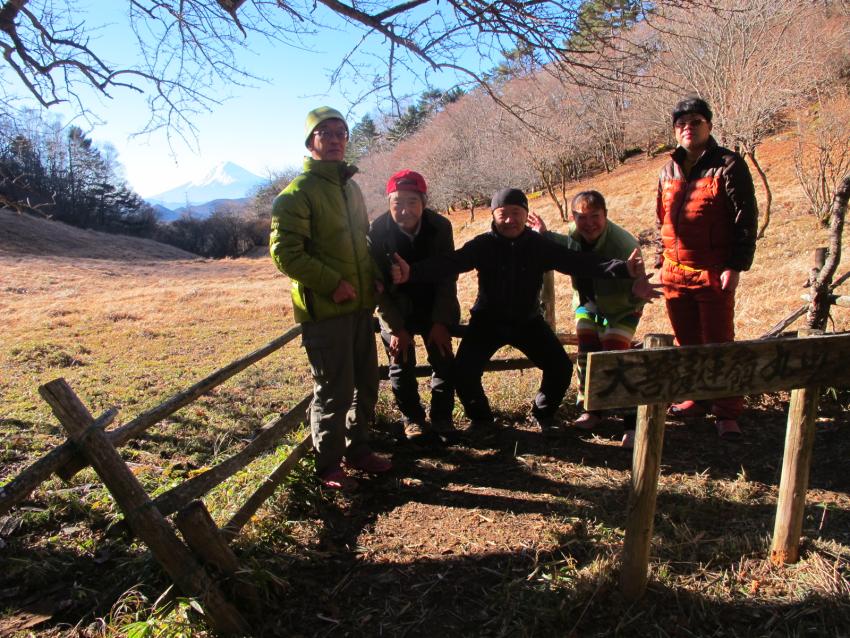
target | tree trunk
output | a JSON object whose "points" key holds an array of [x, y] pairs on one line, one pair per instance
{"points": [[767, 193], [821, 287]]}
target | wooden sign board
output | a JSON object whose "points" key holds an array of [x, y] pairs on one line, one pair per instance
{"points": [[661, 375]]}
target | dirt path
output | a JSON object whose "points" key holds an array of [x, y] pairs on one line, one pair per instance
{"points": [[514, 534]]}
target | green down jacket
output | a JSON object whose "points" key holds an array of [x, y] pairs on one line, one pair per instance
{"points": [[318, 237], [613, 297]]}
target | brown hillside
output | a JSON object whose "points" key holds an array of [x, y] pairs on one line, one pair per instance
{"points": [[22, 234]]}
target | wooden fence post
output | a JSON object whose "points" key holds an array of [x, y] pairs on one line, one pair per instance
{"points": [[148, 524], [547, 298], [796, 463], [205, 539], [646, 465]]}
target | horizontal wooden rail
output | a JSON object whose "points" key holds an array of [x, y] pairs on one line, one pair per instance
{"points": [[183, 494], [34, 475], [266, 489], [66, 461]]}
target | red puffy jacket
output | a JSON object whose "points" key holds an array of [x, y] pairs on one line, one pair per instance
{"points": [[707, 220]]}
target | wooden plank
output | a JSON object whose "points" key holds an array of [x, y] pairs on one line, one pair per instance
{"points": [[494, 365], [64, 459], [266, 489], [646, 467], [145, 520], [635, 377]]}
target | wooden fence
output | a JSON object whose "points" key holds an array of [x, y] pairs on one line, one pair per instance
{"points": [[657, 375], [196, 563]]}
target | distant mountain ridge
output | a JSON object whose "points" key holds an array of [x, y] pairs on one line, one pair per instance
{"points": [[226, 181]]}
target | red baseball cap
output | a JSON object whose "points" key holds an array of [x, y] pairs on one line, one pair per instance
{"points": [[407, 180]]}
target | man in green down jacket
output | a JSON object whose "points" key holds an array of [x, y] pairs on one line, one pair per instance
{"points": [[318, 239], [606, 312]]}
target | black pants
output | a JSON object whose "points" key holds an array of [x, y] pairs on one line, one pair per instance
{"points": [[406, 388], [535, 339]]}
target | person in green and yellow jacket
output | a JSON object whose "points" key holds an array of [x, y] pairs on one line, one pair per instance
{"points": [[606, 311], [318, 239]]}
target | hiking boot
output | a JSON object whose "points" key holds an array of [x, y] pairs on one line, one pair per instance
{"points": [[444, 430], [549, 426], [335, 478], [371, 463], [486, 426], [414, 429]]}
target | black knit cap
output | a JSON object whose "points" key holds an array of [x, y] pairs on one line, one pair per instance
{"points": [[692, 105], [508, 196]]}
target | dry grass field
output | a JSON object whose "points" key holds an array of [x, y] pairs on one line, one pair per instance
{"points": [[510, 535]]}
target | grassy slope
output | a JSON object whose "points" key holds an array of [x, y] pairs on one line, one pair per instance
{"points": [[504, 536]]}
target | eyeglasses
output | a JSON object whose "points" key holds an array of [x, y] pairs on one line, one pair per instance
{"points": [[694, 123], [327, 134]]}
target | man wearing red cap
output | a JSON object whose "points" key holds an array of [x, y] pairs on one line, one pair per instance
{"points": [[426, 309]]}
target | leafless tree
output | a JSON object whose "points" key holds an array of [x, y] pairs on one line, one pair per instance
{"points": [[823, 152], [821, 281], [188, 48], [551, 137], [751, 60]]}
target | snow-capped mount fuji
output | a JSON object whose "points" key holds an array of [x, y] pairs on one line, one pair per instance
{"points": [[226, 181]]}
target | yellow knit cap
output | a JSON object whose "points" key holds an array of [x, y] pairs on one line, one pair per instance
{"points": [[316, 117]]}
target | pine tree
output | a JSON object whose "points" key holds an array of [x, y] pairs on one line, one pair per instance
{"points": [[364, 139], [599, 21]]}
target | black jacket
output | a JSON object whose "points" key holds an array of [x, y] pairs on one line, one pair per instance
{"points": [[414, 305], [510, 271]]}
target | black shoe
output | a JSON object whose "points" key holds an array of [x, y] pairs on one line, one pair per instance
{"points": [[445, 431], [485, 426], [548, 425]]}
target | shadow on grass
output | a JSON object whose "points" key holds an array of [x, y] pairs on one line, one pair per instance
{"points": [[498, 594]]}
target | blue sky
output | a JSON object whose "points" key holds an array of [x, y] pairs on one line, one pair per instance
{"points": [[258, 127]]}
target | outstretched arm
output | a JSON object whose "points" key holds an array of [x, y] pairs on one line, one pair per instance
{"points": [[438, 267]]}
